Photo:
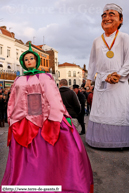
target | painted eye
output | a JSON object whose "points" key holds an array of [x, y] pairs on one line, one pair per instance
{"points": [[32, 58], [26, 59], [103, 16]]}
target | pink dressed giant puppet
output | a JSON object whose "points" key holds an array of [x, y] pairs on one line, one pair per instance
{"points": [[44, 146]]}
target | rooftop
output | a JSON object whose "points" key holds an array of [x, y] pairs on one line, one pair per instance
{"points": [[37, 47], [19, 41], [5, 32], [68, 64], [46, 47]]}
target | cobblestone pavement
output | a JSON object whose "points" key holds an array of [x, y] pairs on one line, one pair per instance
{"points": [[110, 166]]}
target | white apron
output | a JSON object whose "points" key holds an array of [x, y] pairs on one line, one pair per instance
{"points": [[111, 101]]}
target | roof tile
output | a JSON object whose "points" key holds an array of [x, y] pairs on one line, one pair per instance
{"points": [[6, 32], [67, 64]]}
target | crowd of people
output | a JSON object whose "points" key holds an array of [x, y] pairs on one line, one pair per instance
{"points": [[4, 97]]}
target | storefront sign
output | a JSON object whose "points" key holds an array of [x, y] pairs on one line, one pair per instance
{"points": [[8, 84]]}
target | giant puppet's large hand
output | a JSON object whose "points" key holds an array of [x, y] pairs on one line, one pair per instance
{"points": [[113, 78]]}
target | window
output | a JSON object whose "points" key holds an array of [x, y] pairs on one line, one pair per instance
{"points": [[18, 67], [69, 73], [56, 61], [74, 73], [1, 50], [46, 63], [58, 74], [17, 55], [41, 62], [8, 52], [69, 81], [74, 81], [79, 74]]}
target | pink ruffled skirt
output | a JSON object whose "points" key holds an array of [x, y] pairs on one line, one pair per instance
{"points": [[66, 163]]}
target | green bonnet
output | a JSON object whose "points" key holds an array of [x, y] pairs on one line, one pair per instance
{"points": [[21, 59]]}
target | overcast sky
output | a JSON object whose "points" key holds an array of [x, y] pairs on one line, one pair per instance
{"points": [[69, 26]]}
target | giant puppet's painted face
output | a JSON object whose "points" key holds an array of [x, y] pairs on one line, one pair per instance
{"points": [[111, 21], [30, 61]]}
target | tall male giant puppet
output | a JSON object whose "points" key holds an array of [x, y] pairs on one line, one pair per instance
{"points": [[108, 125]]}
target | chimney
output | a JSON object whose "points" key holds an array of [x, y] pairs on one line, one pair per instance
{"points": [[4, 27], [84, 67], [13, 35]]}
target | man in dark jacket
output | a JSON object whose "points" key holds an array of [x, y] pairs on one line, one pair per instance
{"points": [[81, 98], [70, 101]]}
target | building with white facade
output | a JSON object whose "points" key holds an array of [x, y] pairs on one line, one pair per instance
{"points": [[71, 72], [10, 50]]}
